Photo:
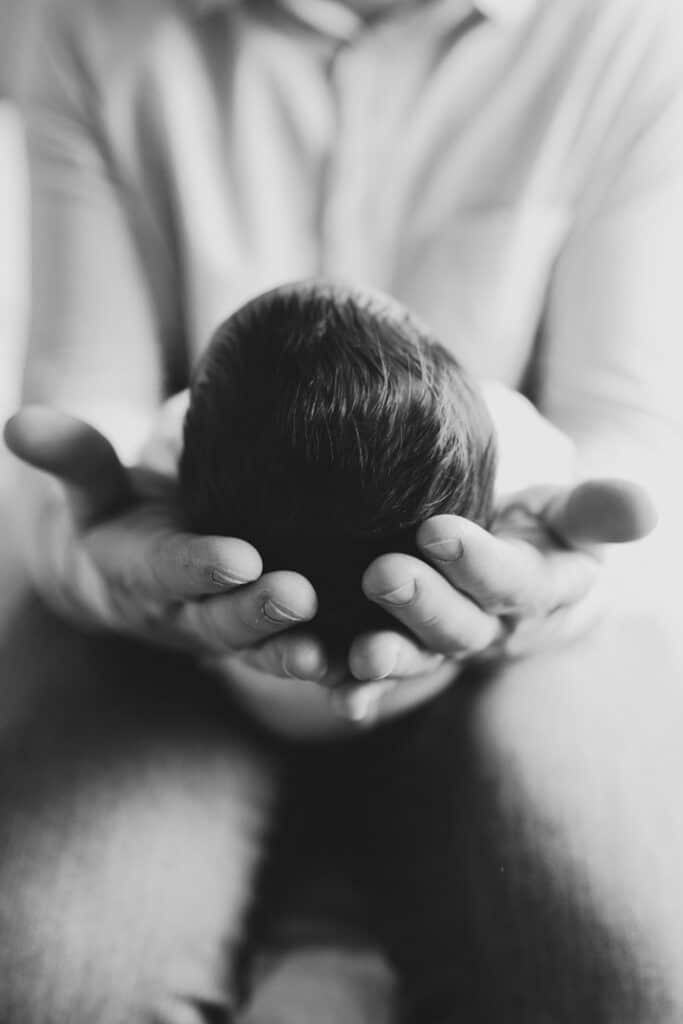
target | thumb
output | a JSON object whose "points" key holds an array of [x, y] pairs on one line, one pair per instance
{"points": [[71, 450], [601, 511]]}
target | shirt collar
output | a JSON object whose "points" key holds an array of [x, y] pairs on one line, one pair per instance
{"points": [[342, 20]]}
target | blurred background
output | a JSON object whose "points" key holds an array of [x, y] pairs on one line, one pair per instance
{"points": [[15, 16]]}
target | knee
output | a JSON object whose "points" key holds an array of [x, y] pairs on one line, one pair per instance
{"points": [[575, 761], [126, 869], [588, 739]]}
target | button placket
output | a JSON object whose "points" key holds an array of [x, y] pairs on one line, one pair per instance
{"points": [[346, 232], [361, 202]]}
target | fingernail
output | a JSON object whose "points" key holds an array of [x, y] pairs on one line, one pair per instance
{"points": [[313, 673], [275, 612], [227, 579], [445, 549], [383, 673], [400, 595], [381, 668]]}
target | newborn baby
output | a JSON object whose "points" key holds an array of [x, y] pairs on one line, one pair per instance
{"points": [[324, 425]]}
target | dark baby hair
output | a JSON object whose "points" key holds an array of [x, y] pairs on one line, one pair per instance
{"points": [[324, 426]]}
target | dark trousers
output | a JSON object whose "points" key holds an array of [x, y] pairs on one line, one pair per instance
{"points": [[478, 910], [516, 846]]}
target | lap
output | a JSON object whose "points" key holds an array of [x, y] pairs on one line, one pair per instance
{"points": [[519, 840], [134, 806], [523, 840], [135, 802]]}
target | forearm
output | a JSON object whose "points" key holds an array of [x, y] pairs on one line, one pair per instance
{"points": [[97, 338], [13, 251]]}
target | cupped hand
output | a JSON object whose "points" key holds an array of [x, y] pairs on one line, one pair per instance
{"points": [[531, 578], [529, 582], [114, 554]]}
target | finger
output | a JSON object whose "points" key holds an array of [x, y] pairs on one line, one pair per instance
{"points": [[78, 455], [293, 654], [367, 702], [442, 619], [562, 625], [360, 703], [375, 656], [146, 554], [181, 565], [601, 511], [246, 617], [505, 576]]}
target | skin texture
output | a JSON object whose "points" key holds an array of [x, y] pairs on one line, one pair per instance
{"points": [[477, 594], [124, 786], [550, 742], [123, 563]]}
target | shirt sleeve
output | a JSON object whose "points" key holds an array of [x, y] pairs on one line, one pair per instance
{"points": [[611, 358], [13, 253], [94, 346]]}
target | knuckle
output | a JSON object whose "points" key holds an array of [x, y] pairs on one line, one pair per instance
{"points": [[479, 637], [162, 556], [529, 604], [186, 621], [197, 553], [180, 550], [433, 621], [502, 607], [168, 626], [248, 624], [273, 657], [249, 609], [162, 547], [441, 633], [512, 593], [497, 600], [486, 639], [451, 645], [209, 627]]}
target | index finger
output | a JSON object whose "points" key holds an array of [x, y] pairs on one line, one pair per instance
{"points": [[505, 576], [153, 557]]}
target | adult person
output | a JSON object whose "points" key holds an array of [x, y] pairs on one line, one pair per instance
{"points": [[512, 171], [13, 255]]}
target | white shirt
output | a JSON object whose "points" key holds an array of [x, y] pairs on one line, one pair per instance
{"points": [[510, 169]]}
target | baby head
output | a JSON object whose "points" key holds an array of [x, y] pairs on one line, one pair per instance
{"points": [[325, 424]]}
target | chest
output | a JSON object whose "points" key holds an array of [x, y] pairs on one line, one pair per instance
{"points": [[429, 177]]}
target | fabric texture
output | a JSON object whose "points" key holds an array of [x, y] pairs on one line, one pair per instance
{"points": [[511, 171]]}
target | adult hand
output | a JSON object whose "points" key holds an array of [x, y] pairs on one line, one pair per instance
{"points": [[531, 581], [114, 555]]}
